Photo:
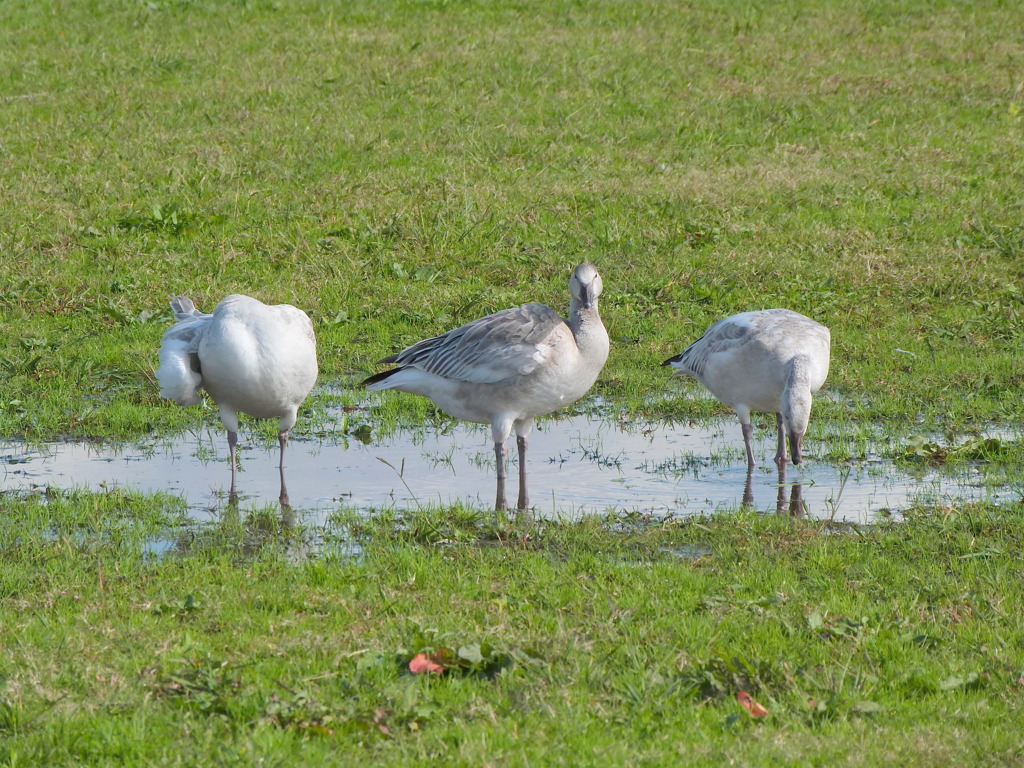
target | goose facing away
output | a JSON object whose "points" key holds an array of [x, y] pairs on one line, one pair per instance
{"points": [[249, 356], [773, 360], [508, 368]]}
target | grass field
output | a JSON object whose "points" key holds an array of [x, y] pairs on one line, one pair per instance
{"points": [[396, 168], [596, 643]]}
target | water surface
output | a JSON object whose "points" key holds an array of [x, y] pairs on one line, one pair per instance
{"points": [[579, 465]]}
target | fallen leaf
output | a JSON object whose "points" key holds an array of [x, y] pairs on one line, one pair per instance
{"points": [[953, 682], [471, 653], [755, 709], [867, 707], [378, 720], [422, 663]]}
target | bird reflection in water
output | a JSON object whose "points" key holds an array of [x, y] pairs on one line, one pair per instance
{"points": [[288, 515], [790, 498]]}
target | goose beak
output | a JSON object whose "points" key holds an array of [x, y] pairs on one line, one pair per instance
{"points": [[796, 447], [589, 295]]}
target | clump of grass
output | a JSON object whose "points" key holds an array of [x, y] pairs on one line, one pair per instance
{"points": [[976, 449]]}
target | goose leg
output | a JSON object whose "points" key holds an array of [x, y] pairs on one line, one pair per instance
{"points": [[499, 457], [748, 431], [524, 500], [283, 496], [232, 442], [780, 454], [282, 438]]}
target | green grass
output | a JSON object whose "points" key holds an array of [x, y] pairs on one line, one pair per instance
{"points": [[611, 642], [398, 168]]}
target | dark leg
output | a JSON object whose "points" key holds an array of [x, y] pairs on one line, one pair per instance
{"points": [[232, 442], [748, 488], [283, 497], [499, 457], [282, 438], [748, 430], [524, 500], [780, 454]]}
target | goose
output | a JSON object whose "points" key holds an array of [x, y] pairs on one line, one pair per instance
{"points": [[250, 357], [772, 360], [508, 368]]}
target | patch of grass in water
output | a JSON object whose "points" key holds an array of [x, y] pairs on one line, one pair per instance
{"points": [[978, 450]]}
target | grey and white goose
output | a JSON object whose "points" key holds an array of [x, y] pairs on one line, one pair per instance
{"points": [[508, 368]]}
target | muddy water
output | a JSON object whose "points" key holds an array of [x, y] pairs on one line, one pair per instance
{"points": [[578, 466]]}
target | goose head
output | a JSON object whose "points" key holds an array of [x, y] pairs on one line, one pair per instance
{"points": [[585, 285]]}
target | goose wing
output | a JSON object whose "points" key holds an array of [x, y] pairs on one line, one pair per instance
{"points": [[297, 320], [724, 336], [506, 345]]}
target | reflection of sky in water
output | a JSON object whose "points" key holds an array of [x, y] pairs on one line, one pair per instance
{"points": [[577, 466]]}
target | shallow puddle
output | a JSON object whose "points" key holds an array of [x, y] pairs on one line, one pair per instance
{"points": [[580, 465]]}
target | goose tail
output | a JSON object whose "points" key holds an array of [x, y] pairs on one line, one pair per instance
{"points": [[180, 374], [184, 309], [379, 381]]}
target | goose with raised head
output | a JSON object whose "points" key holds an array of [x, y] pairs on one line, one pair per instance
{"points": [[773, 361], [508, 368], [251, 358]]}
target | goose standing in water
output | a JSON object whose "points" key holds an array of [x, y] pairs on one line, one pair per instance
{"points": [[251, 357], [508, 368], [773, 361]]}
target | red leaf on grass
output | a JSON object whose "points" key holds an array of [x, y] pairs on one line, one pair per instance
{"points": [[378, 720], [422, 663], [755, 709]]}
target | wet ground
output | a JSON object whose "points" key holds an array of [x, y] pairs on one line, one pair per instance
{"points": [[580, 465]]}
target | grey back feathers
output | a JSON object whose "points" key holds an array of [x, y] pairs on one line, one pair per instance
{"points": [[492, 349]]}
